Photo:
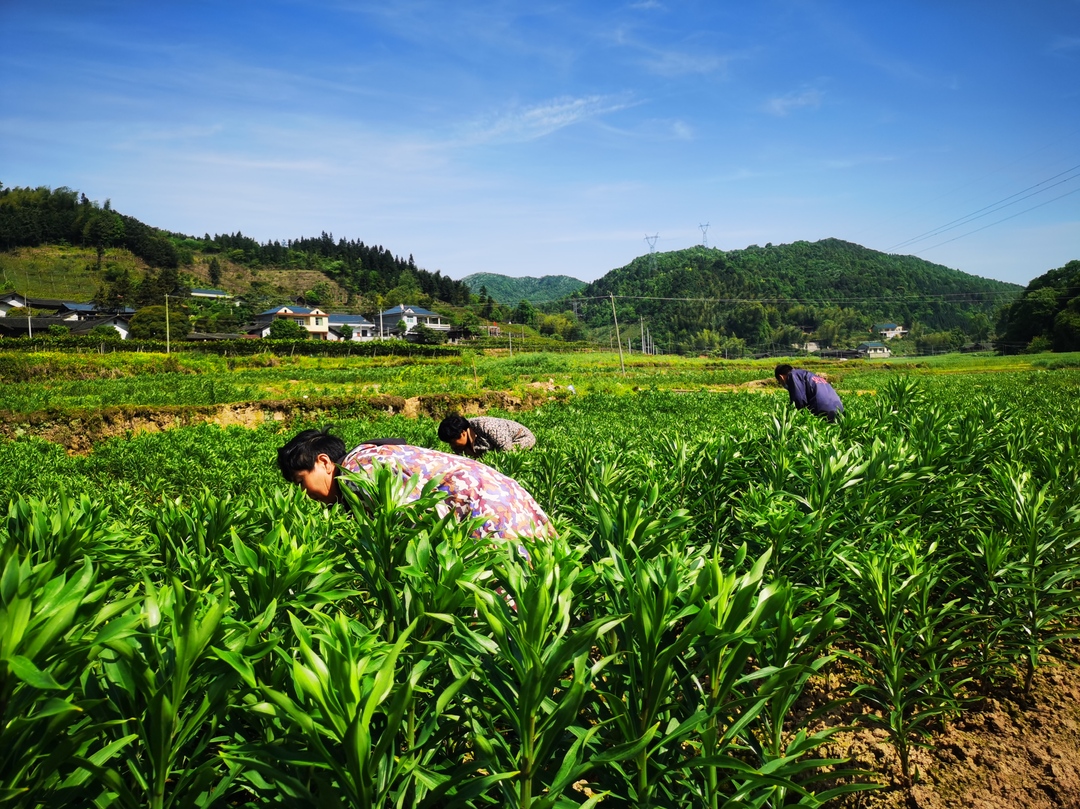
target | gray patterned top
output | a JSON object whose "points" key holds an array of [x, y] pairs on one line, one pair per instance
{"points": [[500, 435]]}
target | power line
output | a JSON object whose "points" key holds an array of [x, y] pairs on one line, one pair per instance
{"points": [[998, 222], [994, 206], [947, 297]]}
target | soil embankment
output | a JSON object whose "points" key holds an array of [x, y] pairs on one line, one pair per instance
{"points": [[79, 430]]}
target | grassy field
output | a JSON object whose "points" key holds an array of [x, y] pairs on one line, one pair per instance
{"points": [[733, 584], [58, 381]]}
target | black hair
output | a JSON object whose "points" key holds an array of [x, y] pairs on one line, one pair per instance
{"points": [[300, 454], [782, 370], [451, 427]]}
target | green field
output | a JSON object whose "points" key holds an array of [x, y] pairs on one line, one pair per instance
{"points": [[178, 627]]}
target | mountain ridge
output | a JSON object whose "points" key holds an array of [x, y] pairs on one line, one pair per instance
{"points": [[511, 290]]}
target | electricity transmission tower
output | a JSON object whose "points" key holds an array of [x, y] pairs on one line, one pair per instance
{"points": [[704, 234], [652, 250]]}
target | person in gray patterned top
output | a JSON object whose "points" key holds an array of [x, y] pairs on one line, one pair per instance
{"points": [[475, 436]]}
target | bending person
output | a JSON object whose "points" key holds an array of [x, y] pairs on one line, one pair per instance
{"points": [[475, 436], [314, 458], [807, 389]]}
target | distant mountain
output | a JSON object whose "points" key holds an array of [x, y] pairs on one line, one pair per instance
{"points": [[698, 298], [511, 291]]}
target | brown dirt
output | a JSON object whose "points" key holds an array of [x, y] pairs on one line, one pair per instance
{"points": [[78, 431], [1006, 752]]}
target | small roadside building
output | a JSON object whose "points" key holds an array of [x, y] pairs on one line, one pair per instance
{"points": [[39, 326], [210, 294]]}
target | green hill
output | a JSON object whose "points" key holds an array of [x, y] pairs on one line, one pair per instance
{"points": [[778, 295], [511, 291], [58, 241]]}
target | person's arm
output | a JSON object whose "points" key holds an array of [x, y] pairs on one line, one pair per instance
{"points": [[796, 386]]}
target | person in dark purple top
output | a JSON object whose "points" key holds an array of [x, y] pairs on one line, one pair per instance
{"points": [[811, 391]]}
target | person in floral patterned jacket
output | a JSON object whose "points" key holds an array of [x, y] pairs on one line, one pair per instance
{"points": [[314, 459]]}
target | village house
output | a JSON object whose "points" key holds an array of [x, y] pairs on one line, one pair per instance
{"points": [[888, 331], [39, 326], [315, 321], [873, 350], [362, 329], [400, 320]]}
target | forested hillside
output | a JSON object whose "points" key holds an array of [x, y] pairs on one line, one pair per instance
{"points": [[30, 217], [1046, 316], [511, 291], [703, 298]]}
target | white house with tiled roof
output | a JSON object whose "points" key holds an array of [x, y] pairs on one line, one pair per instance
{"points": [[361, 328], [398, 320], [315, 321], [873, 350], [888, 331]]}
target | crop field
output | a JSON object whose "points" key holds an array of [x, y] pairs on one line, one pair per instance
{"points": [[733, 587]]}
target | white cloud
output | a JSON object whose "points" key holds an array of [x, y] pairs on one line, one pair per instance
{"points": [[784, 105], [530, 123]]}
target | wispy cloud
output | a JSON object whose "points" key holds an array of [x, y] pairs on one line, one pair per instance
{"points": [[691, 56], [852, 161], [529, 123], [678, 63], [1061, 44], [786, 104]]}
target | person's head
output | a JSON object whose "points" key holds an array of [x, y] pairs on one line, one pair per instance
{"points": [[781, 372], [455, 431], [310, 460]]}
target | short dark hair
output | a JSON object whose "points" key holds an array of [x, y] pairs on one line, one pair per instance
{"points": [[300, 454], [782, 370], [451, 427]]}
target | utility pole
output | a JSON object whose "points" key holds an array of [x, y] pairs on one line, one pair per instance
{"points": [[26, 300], [510, 334], [618, 339], [166, 323]]}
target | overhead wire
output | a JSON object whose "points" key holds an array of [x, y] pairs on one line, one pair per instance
{"points": [[998, 222]]}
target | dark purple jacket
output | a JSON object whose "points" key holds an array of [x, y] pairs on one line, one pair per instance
{"points": [[809, 390]]}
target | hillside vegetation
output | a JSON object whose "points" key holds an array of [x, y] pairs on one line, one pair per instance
{"points": [[1047, 315], [511, 291], [703, 298], [59, 244], [63, 218]]}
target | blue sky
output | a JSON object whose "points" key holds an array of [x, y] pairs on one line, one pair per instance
{"points": [[554, 137]]}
